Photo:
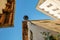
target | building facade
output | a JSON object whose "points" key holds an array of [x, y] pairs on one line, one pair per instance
{"points": [[41, 30], [49, 7]]}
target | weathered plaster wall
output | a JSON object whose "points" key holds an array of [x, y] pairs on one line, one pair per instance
{"points": [[37, 31]]}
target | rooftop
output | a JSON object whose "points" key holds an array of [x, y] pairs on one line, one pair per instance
{"points": [[53, 25]]}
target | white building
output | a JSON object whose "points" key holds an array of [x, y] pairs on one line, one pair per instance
{"points": [[41, 30], [49, 7]]}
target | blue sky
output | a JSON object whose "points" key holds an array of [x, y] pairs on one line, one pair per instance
{"points": [[23, 7]]}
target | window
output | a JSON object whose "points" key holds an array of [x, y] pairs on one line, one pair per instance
{"points": [[58, 0], [31, 35], [55, 9], [49, 5], [2, 5], [51, 37], [57, 24]]}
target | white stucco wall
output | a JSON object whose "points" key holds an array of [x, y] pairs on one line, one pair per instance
{"points": [[54, 8], [37, 31]]}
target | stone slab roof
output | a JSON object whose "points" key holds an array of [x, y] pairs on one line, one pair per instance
{"points": [[53, 25]]}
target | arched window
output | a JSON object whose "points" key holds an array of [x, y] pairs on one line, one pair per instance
{"points": [[31, 35]]}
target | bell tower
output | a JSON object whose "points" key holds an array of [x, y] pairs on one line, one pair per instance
{"points": [[25, 28], [7, 15]]}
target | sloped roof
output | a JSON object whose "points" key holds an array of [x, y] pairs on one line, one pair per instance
{"points": [[53, 25], [53, 11]]}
